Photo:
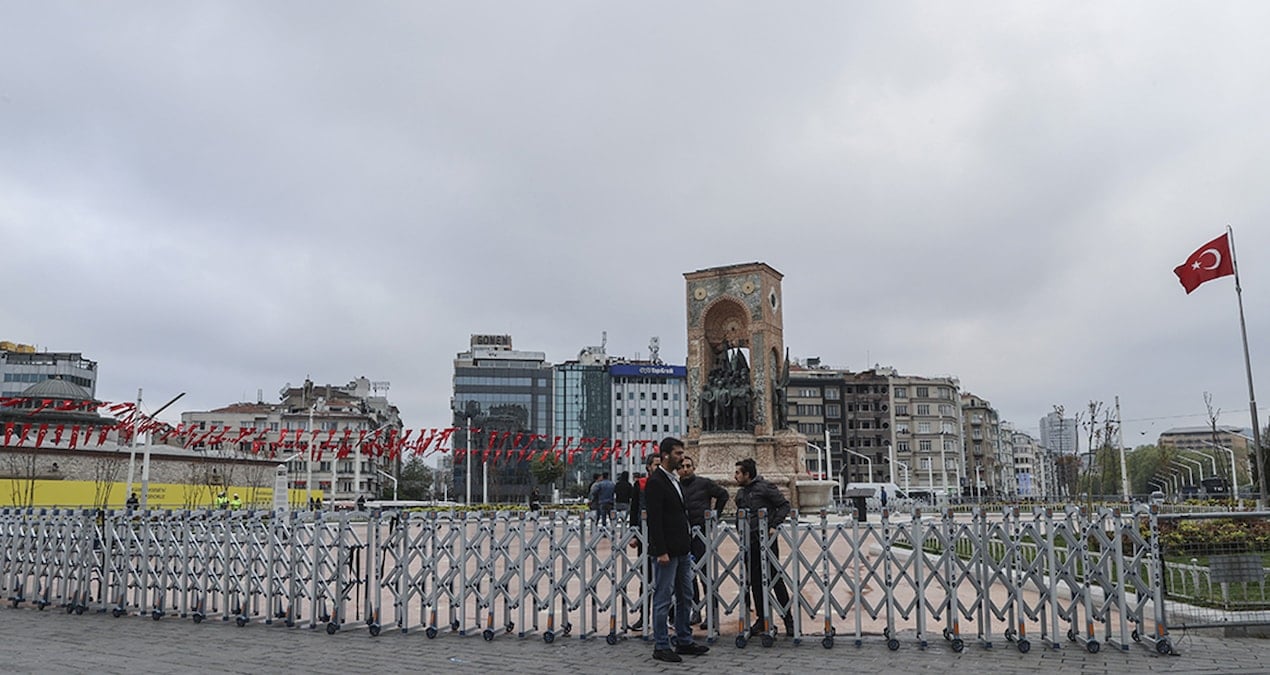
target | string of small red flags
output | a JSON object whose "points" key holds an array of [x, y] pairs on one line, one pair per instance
{"points": [[128, 422]]}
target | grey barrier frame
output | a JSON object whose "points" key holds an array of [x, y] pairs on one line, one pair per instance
{"points": [[1010, 575]]}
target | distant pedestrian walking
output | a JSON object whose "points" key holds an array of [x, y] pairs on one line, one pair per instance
{"points": [[603, 494]]}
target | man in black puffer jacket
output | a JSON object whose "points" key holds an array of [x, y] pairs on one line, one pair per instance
{"points": [[700, 495], [757, 493]]}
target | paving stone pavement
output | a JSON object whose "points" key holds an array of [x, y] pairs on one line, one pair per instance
{"points": [[51, 641]]}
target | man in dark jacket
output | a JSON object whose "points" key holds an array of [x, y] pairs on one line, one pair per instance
{"points": [[755, 494], [700, 495], [669, 546]]}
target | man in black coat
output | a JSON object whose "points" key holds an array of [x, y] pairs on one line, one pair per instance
{"points": [[756, 494], [700, 495], [669, 546]]}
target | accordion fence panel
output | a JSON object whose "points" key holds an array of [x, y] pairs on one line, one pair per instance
{"points": [[1091, 579]]}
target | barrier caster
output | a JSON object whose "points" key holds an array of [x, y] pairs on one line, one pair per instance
{"points": [[1024, 646], [324, 618], [1092, 646], [116, 612], [240, 621], [1071, 634], [79, 610], [332, 628], [741, 642], [947, 633], [198, 617], [549, 637], [454, 625], [567, 629], [488, 634], [290, 623], [1163, 648], [611, 639], [70, 608], [511, 626], [374, 629], [958, 645], [156, 614], [894, 644], [827, 642], [41, 605], [767, 640], [1136, 637]]}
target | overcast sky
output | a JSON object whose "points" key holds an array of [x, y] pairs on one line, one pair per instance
{"points": [[223, 197]]}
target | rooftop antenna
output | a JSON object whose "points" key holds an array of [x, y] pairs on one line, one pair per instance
{"points": [[604, 340], [654, 347]]}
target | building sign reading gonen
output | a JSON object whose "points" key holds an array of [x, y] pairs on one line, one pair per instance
{"points": [[492, 341], [647, 370]]}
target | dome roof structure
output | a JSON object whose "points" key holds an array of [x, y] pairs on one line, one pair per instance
{"points": [[56, 388]]}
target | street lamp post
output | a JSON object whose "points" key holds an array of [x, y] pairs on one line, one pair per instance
{"points": [[868, 462], [394, 482], [1234, 478], [357, 461]]}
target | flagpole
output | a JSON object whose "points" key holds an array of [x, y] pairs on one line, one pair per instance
{"points": [[1252, 397]]}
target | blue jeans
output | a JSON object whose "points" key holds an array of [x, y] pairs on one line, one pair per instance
{"points": [[673, 577]]}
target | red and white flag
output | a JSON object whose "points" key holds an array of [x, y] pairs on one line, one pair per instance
{"points": [[1208, 262]]}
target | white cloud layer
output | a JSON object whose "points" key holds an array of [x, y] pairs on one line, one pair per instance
{"points": [[225, 197]]}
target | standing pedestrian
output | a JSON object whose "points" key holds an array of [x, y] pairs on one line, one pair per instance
{"points": [[700, 495], [603, 494], [669, 544], [133, 502], [757, 493], [622, 493], [651, 463], [882, 496]]}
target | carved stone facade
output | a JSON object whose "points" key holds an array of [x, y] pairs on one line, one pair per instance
{"points": [[736, 376]]}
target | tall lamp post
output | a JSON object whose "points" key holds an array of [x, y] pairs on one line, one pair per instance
{"points": [[357, 461], [1234, 477], [394, 482]]}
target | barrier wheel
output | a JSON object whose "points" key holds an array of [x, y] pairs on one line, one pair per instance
{"points": [[567, 629], [41, 605], [958, 645], [947, 634], [767, 640], [454, 625], [488, 634], [741, 642], [290, 623], [198, 617], [1135, 635], [1092, 646], [70, 608], [156, 614], [886, 632], [1024, 646], [374, 629], [16, 603], [242, 621], [894, 645], [1071, 634], [549, 637], [611, 639], [827, 642], [116, 612], [324, 618], [430, 631], [1163, 648], [511, 626], [332, 628], [79, 609]]}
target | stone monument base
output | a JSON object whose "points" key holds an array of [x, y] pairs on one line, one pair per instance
{"points": [[778, 458]]}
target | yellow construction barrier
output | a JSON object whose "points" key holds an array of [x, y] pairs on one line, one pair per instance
{"points": [[84, 493]]}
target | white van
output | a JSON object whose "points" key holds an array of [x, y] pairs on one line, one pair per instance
{"points": [[895, 497]]}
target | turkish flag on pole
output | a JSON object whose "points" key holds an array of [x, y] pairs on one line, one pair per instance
{"points": [[1208, 262]]}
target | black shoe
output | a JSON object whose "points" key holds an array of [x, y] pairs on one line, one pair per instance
{"points": [[667, 655], [638, 625], [695, 617], [692, 649]]}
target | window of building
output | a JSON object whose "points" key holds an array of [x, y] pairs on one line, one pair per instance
{"points": [[901, 427], [923, 392], [832, 393], [619, 395], [901, 409], [654, 415], [833, 409], [946, 427], [923, 409], [923, 446], [665, 412], [923, 427], [617, 412], [901, 446], [923, 463], [901, 392]]}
